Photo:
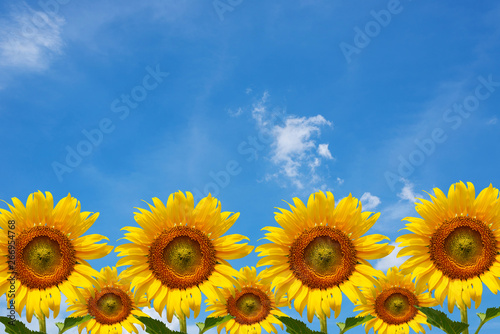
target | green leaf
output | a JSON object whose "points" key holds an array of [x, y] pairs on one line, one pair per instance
{"points": [[71, 322], [353, 322], [154, 326], [294, 326], [441, 321], [211, 322], [16, 327], [491, 313]]}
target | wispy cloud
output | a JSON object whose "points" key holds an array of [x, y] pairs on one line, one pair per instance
{"points": [[30, 39], [492, 121], [391, 215], [235, 113], [293, 148], [369, 201]]}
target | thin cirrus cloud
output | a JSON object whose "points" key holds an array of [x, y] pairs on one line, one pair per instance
{"points": [[293, 147], [30, 39]]}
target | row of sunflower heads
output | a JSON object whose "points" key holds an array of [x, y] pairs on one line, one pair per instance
{"points": [[319, 253]]}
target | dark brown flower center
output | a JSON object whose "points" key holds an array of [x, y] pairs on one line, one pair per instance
{"points": [[396, 305], [249, 306], [322, 257], [182, 257], [463, 247], [110, 306], [45, 257]]}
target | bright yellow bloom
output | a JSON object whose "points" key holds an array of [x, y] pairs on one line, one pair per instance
{"points": [[253, 308], [454, 246], [43, 244], [180, 252], [320, 253], [111, 305], [392, 302]]}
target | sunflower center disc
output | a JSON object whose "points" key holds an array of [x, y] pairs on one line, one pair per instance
{"points": [[396, 305], [110, 306], [463, 247], [46, 257], [42, 255], [183, 255], [249, 306], [322, 257]]}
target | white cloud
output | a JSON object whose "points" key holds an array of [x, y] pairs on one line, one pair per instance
{"points": [[30, 39], [293, 143], [259, 112], [248, 91], [407, 192], [369, 201], [324, 151], [340, 181], [293, 148], [391, 260]]}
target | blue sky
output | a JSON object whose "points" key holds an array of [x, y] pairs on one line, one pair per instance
{"points": [[256, 102]]}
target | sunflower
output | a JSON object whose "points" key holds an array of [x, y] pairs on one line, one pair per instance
{"points": [[253, 308], [179, 252], [43, 245], [319, 253], [454, 246], [393, 302], [111, 305]]}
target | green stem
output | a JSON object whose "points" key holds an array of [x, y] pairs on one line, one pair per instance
{"points": [[41, 322], [463, 315], [479, 327], [322, 323], [182, 323]]}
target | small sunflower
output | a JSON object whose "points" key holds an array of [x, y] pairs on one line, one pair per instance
{"points": [[179, 252], [111, 305], [43, 245], [253, 308], [454, 246], [320, 253], [393, 302]]}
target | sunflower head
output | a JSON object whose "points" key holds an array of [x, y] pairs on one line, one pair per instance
{"points": [[454, 245], [253, 307], [393, 302], [320, 252], [110, 303], [45, 253], [179, 251]]}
